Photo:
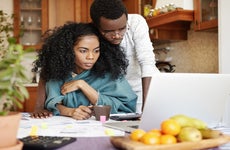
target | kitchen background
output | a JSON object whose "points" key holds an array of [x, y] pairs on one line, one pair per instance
{"points": [[202, 52], [197, 54]]}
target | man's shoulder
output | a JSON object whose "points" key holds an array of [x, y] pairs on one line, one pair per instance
{"points": [[135, 17], [135, 21]]}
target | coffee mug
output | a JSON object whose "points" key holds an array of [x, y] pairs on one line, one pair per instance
{"points": [[102, 112]]}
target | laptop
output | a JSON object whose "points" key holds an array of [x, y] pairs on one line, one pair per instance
{"points": [[198, 95]]}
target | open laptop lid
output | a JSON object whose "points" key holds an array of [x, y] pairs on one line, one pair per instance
{"points": [[203, 96]]}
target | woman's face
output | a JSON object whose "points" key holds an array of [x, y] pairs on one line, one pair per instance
{"points": [[87, 51]]}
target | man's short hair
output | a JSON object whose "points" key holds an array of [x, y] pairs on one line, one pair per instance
{"points": [[110, 9]]}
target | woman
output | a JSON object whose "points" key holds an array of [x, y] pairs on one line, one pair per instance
{"points": [[80, 71]]}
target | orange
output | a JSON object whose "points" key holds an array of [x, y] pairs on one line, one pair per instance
{"points": [[170, 126], [150, 139], [168, 139], [156, 132], [136, 134]]}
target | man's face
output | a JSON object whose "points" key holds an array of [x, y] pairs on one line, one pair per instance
{"points": [[113, 30]]}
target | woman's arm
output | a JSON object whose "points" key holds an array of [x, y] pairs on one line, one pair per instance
{"points": [[80, 113], [119, 95], [96, 91], [86, 89]]}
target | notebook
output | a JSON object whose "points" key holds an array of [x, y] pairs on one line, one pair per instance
{"points": [[202, 96]]}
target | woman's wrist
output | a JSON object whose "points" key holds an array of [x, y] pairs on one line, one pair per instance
{"points": [[65, 111]]}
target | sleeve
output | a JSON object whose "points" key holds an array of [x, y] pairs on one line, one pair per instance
{"points": [[143, 45], [54, 96], [119, 95]]}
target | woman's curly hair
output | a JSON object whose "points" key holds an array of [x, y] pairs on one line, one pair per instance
{"points": [[57, 59]]}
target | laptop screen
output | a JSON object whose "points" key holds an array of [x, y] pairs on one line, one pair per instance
{"points": [[201, 96]]}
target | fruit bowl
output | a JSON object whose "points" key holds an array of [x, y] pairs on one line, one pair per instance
{"points": [[125, 143]]}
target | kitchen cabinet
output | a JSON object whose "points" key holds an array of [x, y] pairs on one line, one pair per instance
{"points": [[132, 6], [30, 21], [29, 104], [78, 10], [206, 15], [170, 26], [62, 11], [137, 6]]}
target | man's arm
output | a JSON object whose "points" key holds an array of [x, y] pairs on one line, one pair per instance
{"points": [[145, 87]]}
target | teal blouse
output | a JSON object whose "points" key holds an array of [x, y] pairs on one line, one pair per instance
{"points": [[116, 93]]}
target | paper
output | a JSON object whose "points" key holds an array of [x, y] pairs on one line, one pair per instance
{"points": [[64, 126]]}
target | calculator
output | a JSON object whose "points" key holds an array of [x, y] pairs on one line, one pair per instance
{"points": [[45, 142]]}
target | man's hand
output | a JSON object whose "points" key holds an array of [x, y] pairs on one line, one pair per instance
{"points": [[41, 114]]}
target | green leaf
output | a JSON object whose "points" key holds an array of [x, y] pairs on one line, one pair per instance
{"points": [[5, 85], [6, 74], [12, 40], [16, 102]]}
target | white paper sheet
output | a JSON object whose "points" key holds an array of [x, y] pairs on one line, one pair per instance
{"points": [[64, 126]]}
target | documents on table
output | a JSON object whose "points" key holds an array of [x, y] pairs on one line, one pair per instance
{"points": [[64, 126]]}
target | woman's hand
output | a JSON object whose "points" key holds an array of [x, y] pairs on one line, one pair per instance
{"points": [[41, 114], [71, 86], [85, 88], [82, 113]]}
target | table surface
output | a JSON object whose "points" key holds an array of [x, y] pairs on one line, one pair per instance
{"points": [[87, 143], [93, 141]]}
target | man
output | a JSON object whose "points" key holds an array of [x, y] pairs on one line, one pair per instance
{"points": [[131, 32]]}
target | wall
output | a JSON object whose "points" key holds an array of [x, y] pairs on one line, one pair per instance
{"points": [[224, 32], [185, 4], [198, 54], [7, 6]]}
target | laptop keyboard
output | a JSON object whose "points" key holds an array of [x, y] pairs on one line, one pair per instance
{"points": [[134, 126], [129, 116]]}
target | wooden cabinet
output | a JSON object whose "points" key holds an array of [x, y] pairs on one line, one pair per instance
{"points": [[137, 6], [29, 104], [206, 14], [30, 21], [168, 27], [62, 11], [132, 6], [171, 26]]}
